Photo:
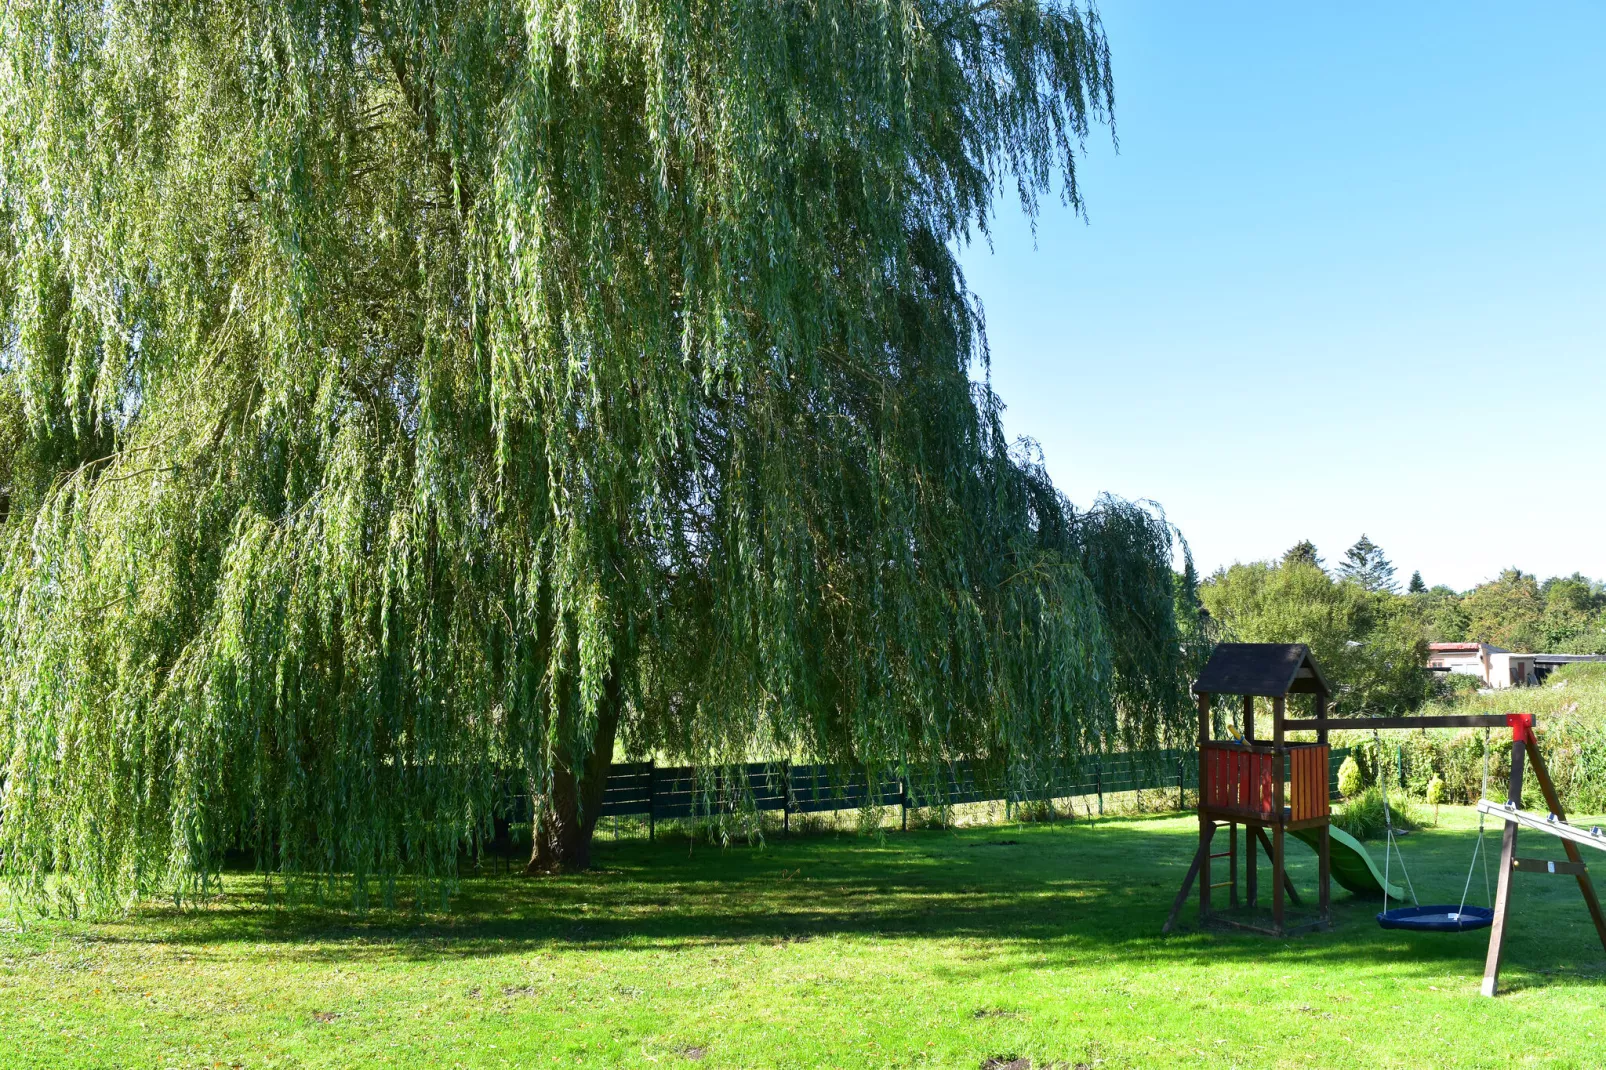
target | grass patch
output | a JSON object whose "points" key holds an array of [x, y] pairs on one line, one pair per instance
{"points": [[935, 948]]}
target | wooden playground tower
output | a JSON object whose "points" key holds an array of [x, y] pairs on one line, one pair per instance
{"points": [[1270, 787]]}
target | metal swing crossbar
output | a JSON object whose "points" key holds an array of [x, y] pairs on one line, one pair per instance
{"points": [[1433, 918]]}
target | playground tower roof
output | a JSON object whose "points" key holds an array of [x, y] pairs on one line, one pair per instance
{"points": [[1268, 669]]}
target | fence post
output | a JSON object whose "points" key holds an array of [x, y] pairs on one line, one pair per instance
{"points": [[786, 797], [1180, 761], [1098, 782], [652, 800]]}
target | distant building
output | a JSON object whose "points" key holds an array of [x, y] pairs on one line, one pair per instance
{"points": [[1545, 664], [1497, 667], [1492, 665]]}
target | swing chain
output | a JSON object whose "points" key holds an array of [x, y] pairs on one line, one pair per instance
{"points": [[1477, 850], [1393, 846]]}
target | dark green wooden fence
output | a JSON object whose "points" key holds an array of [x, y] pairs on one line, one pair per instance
{"points": [[643, 789]]}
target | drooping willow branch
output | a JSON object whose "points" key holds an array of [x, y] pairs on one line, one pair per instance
{"points": [[661, 437]]}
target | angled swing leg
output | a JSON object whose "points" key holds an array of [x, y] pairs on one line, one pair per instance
{"points": [[1502, 898], [1554, 803]]}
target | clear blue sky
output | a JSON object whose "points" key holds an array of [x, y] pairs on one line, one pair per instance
{"points": [[1347, 273]]}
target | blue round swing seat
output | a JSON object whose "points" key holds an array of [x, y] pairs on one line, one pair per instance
{"points": [[1437, 919]]}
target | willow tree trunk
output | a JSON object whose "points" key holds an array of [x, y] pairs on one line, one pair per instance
{"points": [[566, 816]]}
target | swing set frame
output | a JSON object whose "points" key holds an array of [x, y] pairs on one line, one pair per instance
{"points": [[1274, 788], [1524, 752]]}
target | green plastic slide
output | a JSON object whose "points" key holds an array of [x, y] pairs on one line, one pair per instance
{"points": [[1351, 866]]}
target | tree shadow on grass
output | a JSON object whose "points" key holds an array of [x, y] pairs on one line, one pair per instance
{"points": [[1027, 897]]}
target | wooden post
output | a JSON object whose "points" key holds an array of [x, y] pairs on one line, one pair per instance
{"points": [[1232, 862], [1251, 866], [1554, 803], [652, 800], [1249, 718], [1206, 828], [1279, 874], [1324, 876], [1508, 853], [1324, 854]]}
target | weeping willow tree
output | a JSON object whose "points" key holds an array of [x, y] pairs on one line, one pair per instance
{"points": [[403, 396]]}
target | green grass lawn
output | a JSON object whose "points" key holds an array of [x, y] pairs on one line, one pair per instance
{"points": [[925, 949]]}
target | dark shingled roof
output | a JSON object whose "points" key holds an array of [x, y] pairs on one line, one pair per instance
{"points": [[1268, 669]]}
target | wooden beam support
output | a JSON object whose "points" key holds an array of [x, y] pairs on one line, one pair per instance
{"points": [[1383, 724], [1224, 921], [1187, 886], [1545, 865], [1200, 857], [1287, 883]]}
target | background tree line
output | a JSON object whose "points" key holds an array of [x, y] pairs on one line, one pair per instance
{"points": [[1372, 638]]}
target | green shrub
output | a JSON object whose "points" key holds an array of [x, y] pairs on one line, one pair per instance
{"points": [[1362, 816], [1349, 777], [1436, 795], [1571, 708]]}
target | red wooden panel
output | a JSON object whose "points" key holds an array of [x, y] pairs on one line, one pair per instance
{"points": [[1267, 793]]}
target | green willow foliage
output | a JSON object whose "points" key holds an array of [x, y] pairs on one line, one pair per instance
{"points": [[400, 393]]}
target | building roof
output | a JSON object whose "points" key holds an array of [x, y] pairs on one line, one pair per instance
{"points": [[1447, 648], [1266, 669]]}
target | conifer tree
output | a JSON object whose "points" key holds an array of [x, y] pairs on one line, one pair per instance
{"points": [[1416, 585], [1365, 564], [1302, 552]]}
